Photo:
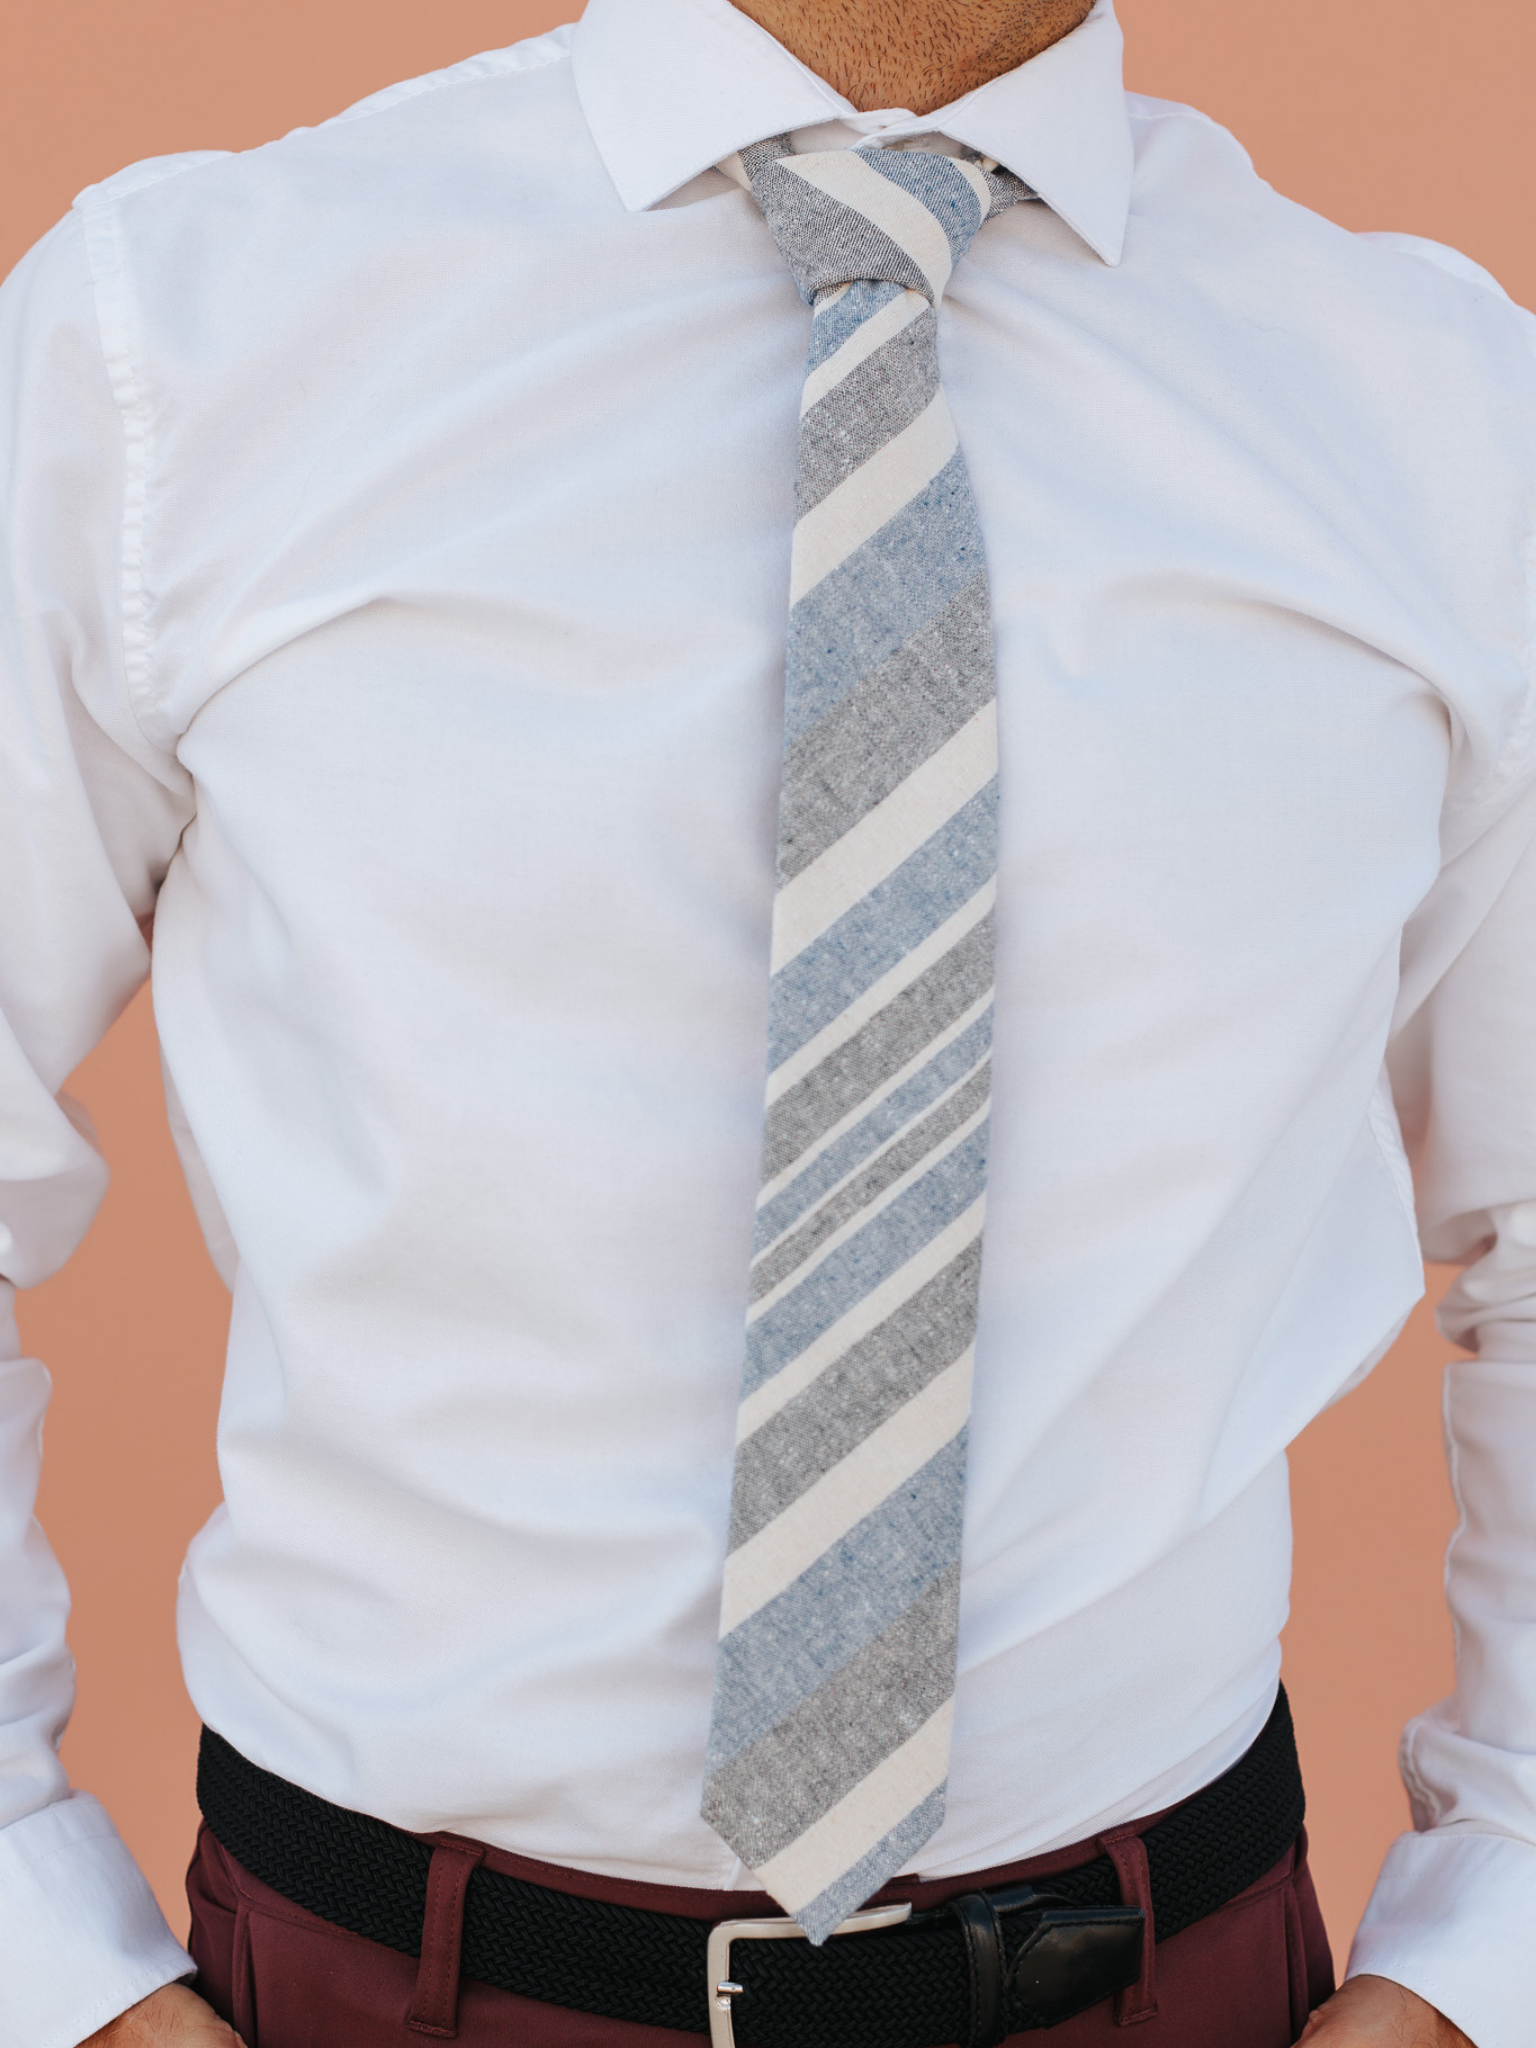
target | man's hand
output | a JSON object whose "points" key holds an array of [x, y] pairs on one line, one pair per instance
{"points": [[172, 2018], [1371, 2012]]}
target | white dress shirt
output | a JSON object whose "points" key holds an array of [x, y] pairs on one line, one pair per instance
{"points": [[394, 556]]}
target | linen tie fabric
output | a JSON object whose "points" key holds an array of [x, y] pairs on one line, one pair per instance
{"points": [[829, 1740]]}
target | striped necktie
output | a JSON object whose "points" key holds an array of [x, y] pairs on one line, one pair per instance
{"points": [[834, 1684]]}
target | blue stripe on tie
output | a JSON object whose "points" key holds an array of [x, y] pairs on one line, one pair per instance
{"points": [[883, 927], [875, 601], [882, 1247], [825, 1914], [846, 315], [901, 1107], [778, 1657], [942, 187]]}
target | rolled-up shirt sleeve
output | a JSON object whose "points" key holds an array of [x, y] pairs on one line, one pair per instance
{"points": [[1453, 1913], [90, 815]]}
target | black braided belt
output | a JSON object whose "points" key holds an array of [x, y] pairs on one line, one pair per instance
{"points": [[968, 1972]]}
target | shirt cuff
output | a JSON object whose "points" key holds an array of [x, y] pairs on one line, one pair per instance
{"points": [[1451, 1918], [81, 1937]]}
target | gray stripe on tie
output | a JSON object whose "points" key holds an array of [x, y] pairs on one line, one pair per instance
{"points": [[892, 1854], [758, 155], [949, 1065], [867, 1385], [866, 942], [876, 401], [886, 725], [873, 603], [783, 1653], [908, 1151], [799, 1770], [827, 243], [891, 1038], [873, 1254]]}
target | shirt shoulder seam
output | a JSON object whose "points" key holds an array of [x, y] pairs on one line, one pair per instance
{"points": [[106, 261]]}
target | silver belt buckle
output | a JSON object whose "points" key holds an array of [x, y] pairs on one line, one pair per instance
{"points": [[717, 1955]]}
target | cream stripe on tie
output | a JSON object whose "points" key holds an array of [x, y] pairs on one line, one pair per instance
{"points": [[852, 1827], [867, 1106], [849, 176], [880, 328], [828, 1245], [848, 1489], [876, 1000], [877, 1307], [866, 854], [849, 515], [825, 1512]]}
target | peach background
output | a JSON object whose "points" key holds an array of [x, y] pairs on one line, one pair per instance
{"points": [[1386, 113]]}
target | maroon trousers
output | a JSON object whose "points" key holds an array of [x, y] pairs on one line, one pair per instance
{"points": [[1246, 1977]]}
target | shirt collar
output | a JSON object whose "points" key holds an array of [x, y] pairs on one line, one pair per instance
{"points": [[669, 87]]}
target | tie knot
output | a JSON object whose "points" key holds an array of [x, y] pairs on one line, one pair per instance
{"points": [[901, 216]]}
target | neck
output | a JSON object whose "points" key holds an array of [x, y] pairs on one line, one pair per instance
{"points": [[919, 54]]}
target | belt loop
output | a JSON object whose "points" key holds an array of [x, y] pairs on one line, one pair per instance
{"points": [[984, 1968], [435, 2008], [1126, 1850]]}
